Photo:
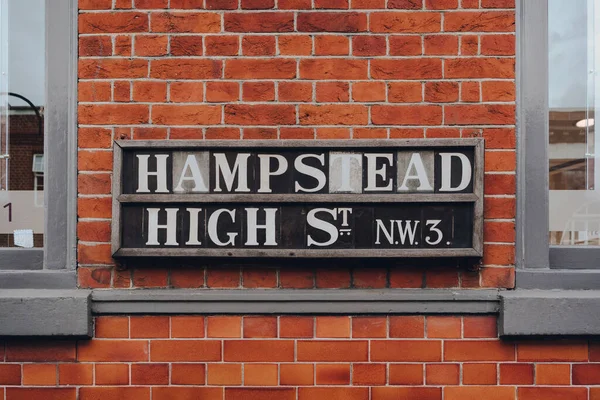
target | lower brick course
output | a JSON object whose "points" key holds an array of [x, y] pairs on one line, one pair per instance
{"points": [[299, 358]]}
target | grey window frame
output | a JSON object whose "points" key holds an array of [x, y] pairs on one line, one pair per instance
{"points": [[539, 264], [54, 265]]}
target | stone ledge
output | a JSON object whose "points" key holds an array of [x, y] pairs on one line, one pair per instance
{"points": [[29, 312]]}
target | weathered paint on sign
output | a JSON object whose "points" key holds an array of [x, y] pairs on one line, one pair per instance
{"points": [[413, 198]]}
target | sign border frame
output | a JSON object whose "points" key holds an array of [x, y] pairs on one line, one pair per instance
{"points": [[477, 197]]}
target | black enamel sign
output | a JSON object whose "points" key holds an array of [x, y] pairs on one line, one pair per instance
{"points": [[404, 198]]}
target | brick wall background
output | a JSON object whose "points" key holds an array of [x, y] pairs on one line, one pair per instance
{"points": [[304, 358], [295, 69]]}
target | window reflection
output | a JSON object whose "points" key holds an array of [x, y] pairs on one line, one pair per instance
{"points": [[22, 100]]}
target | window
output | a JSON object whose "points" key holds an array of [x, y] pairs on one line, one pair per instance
{"points": [[559, 171], [37, 135]]}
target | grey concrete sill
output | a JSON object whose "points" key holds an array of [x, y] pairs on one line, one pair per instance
{"points": [[322, 301], [549, 312], [41, 279], [33, 312], [567, 279]]}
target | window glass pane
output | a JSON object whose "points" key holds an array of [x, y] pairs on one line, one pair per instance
{"points": [[22, 100]]}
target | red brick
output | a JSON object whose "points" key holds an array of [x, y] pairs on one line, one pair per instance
{"points": [[10, 374], [112, 374], [295, 91], [332, 22], [259, 350], [475, 21], [406, 374], [331, 278], [257, 4], [585, 374], [45, 393], [187, 278], [259, 22], [368, 91], [75, 374], [333, 68], [94, 254], [406, 115], [294, 45], [552, 351], [260, 327], [406, 278], [484, 350], [479, 374], [368, 374], [224, 374], [441, 4], [258, 46], [95, 4], [441, 45], [40, 374], [260, 114], [184, 326], [115, 393], [224, 326], [296, 327], [112, 350], [185, 350], [258, 91], [122, 22], [481, 114], [296, 374], [333, 374], [332, 350], [369, 46], [405, 22], [389, 393], [93, 278], [553, 374], [444, 327], [407, 68], [40, 350], [498, 91], [261, 375], [406, 350], [188, 374], [480, 327], [150, 91], [186, 22], [516, 374], [405, 92], [151, 45], [469, 45], [337, 393], [94, 184], [441, 92], [113, 114], [480, 392], [551, 393], [498, 277], [472, 68], [369, 327], [333, 327], [260, 394], [183, 68], [223, 277], [94, 91], [149, 327], [164, 114], [150, 374], [405, 45], [221, 45], [407, 327], [329, 92], [147, 278], [204, 393], [442, 374]]}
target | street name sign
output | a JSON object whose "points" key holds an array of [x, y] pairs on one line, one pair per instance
{"points": [[319, 199]]}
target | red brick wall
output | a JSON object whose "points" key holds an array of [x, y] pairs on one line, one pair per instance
{"points": [[296, 69], [304, 358]]}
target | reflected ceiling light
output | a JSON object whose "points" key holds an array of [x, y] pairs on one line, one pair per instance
{"points": [[585, 123]]}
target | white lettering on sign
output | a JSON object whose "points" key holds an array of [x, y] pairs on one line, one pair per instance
{"points": [[194, 218], [191, 166], [253, 226], [170, 227], [160, 173], [240, 169], [310, 171], [213, 231], [416, 164], [373, 172], [345, 172], [433, 228], [266, 173], [408, 230], [447, 169], [312, 220]]}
